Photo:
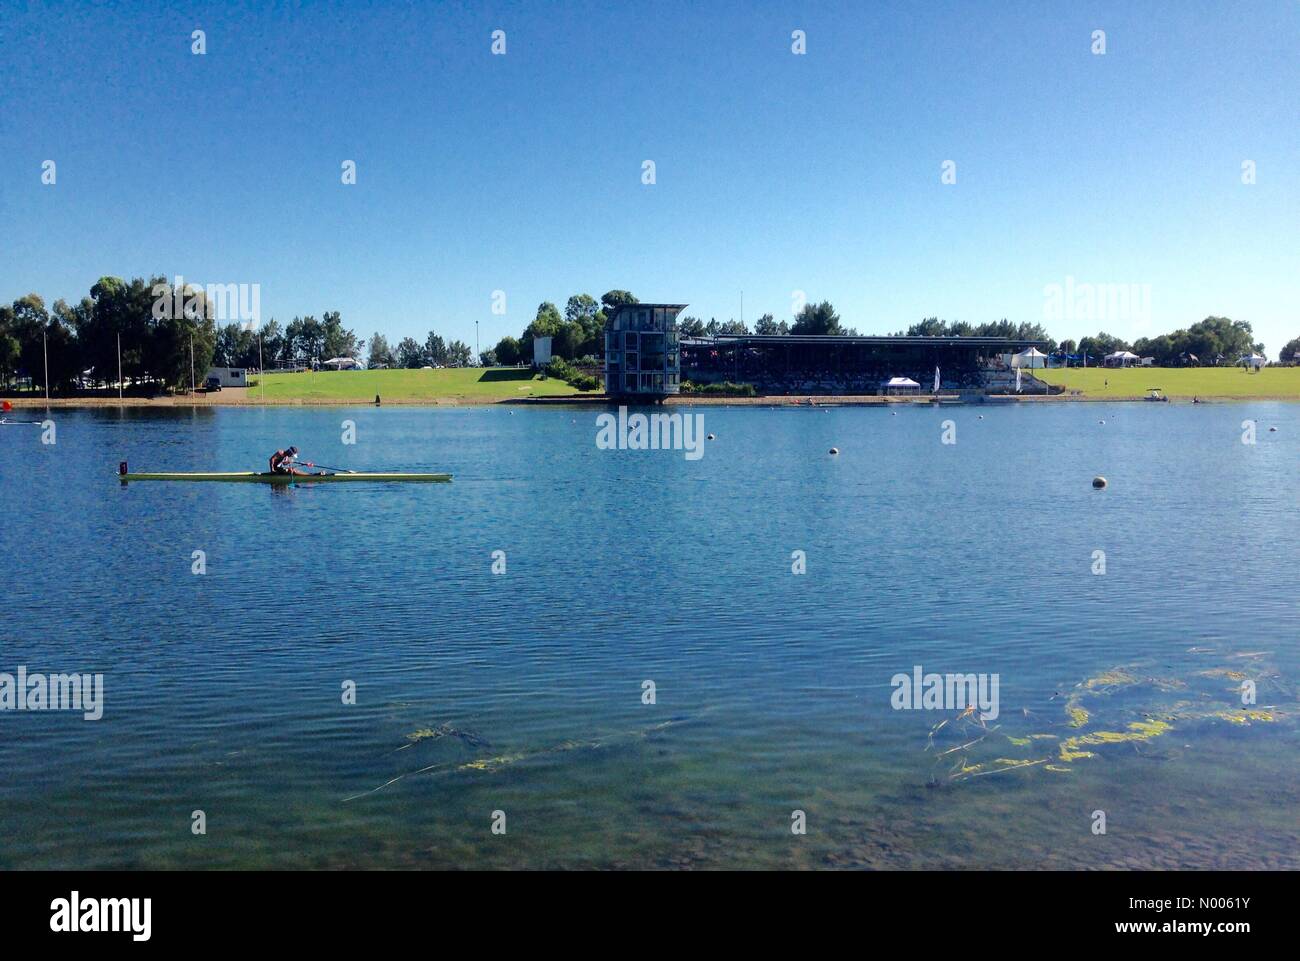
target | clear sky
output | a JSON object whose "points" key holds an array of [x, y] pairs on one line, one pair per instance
{"points": [[775, 172]]}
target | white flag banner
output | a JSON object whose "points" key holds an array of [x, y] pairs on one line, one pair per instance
{"points": [[1017, 380], [936, 380]]}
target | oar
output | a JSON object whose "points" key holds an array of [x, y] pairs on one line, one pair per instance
{"points": [[6, 408], [341, 470]]}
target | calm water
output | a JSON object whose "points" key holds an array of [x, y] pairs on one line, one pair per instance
{"points": [[223, 691]]}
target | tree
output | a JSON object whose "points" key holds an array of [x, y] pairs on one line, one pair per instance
{"points": [[547, 323], [9, 346], [569, 340], [459, 354], [336, 341], [381, 355], [1102, 344], [182, 350], [30, 319], [819, 319], [410, 354], [99, 328], [303, 340], [488, 358], [691, 327], [272, 342], [767, 326], [580, 307], [435, 350], [929, 327], [63, 349], [613, 299], [236, 346], [1290, 353], [593, 334], [508, 352]]}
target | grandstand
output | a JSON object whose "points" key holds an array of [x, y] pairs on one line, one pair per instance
{"points": [[808, 364]]}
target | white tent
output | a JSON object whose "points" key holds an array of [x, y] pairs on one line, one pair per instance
{"points": [[1030, 357], [1253, 360], [1121, 358], [899, 383], [338, 363]]}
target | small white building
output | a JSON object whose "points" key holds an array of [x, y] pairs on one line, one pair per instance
{"points": [[541, 351], [228, 376]]}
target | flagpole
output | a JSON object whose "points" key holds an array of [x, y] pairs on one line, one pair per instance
{"points": [[45, 352], [119, 366]]}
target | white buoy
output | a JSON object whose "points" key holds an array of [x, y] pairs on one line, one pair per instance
{"points": [[1101, 422], [1099, 482], [711, 437], [835, 450], [981, 416], [1271, 429]]}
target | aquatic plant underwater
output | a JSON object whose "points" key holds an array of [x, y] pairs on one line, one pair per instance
{"points": [[1125, 708], [492, 763]]}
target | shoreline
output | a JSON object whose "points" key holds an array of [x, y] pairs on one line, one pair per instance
{"points": [[579, 400]]}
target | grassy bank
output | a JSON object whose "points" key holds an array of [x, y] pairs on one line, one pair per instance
{"points": [[1179, 383], [469, 384]]}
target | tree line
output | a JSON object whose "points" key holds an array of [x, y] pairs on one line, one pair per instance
{"points": [[1214, 340], [1210, 342], [79, 343], [297, 343], [578, 333]]}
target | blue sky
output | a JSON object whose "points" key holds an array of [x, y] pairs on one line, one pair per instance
{"points": [[775, 172]]}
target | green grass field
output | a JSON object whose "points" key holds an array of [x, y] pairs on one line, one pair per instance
{"points": [[1178, 383], [483, 385], [492, 384]]}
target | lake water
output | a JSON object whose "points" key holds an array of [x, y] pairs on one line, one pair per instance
{"points": [[223, 692]]}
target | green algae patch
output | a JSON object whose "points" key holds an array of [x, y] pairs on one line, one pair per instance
{"points": [[1137, 731], [491, 763], [441, 731], [1077, 713], [1113, 678], [1128, 705], [1067, 752], [1245, 716]]}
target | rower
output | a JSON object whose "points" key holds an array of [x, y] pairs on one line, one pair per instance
{"points": [[282, 461]]}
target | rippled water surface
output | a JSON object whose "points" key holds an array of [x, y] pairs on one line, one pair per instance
{"points": [[223, 691]]}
